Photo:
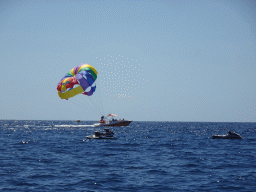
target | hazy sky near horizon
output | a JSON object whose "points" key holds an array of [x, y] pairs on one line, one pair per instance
{"points": [[157, 60]]}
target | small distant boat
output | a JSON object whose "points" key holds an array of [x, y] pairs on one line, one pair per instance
{"points": [[112, 122], [107, 134], [78, 120], [230, 135]]}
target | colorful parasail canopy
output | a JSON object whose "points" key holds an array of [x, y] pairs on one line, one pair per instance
{"points": [[84, 76]]}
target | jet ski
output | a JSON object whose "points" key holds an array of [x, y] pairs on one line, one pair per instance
{"points": [[107, 134], [230, 135]]}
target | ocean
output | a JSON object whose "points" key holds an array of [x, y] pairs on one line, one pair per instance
{"points": [[146, 156]]}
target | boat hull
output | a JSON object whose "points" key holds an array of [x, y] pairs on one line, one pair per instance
{"points": [[226, 137], [113, 124], [100, 137]]}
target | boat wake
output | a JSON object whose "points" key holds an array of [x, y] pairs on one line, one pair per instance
{"points": [[67, 126]]}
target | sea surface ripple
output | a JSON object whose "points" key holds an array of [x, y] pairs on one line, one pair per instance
{"points": [[146, 156]]}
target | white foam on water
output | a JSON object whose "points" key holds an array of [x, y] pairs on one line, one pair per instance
{"points": [[73, 126]]}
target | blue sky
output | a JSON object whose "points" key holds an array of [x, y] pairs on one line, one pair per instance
{"points": [[157, 60]]}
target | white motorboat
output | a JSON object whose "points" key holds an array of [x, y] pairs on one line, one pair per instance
{"points": [[110, 121]]}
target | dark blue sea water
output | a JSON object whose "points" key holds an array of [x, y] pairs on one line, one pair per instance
{"points": [[146, 156]]}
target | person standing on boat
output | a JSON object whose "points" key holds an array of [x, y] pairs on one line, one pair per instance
{"points": [[102, 119]]}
